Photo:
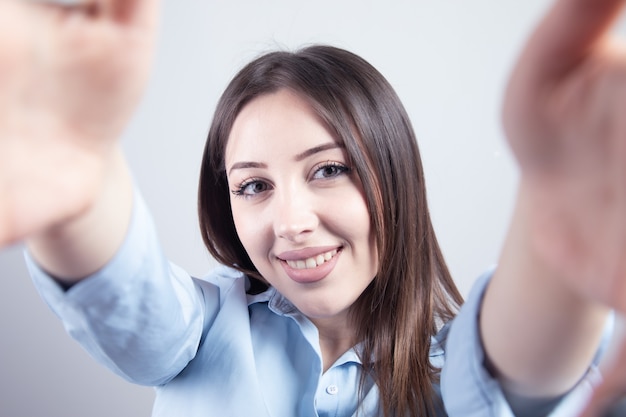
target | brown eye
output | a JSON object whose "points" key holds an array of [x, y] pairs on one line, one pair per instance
{"points": [[330, 170]]}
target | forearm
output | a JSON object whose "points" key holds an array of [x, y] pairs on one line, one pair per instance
{"points": [[140, 315], [539, 334], [83, 244]]}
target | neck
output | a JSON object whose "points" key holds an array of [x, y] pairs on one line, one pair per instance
{"points": [[336, 337]]}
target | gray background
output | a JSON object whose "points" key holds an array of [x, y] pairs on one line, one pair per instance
{"points": [[449, 61]]}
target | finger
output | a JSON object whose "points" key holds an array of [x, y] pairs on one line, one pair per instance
{"points": [[60, 5], [568, 33], [66, 3], [138, 13]]}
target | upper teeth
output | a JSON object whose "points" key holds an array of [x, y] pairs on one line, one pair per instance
{"points": [[313, 261]]}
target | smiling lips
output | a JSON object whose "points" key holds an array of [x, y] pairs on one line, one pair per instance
{"points": [[312, 262], [305, 268]]}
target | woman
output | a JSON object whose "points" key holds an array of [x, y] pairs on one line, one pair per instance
{"points": [[374, 153], [85, 234]]}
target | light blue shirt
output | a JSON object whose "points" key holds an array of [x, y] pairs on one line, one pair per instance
{"points": [[210, 349]]}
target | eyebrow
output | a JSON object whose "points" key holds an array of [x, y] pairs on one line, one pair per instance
{"points": [[299, 157], [317, 149], [244, 165]]}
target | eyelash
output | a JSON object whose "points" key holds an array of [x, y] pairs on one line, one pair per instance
{"points": [[339, 168], [240, 191]]}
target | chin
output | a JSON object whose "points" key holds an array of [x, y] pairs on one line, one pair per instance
{"points": [[322, 312]]}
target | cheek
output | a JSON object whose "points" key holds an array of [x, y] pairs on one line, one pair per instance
{"points": [[360, 217], [352, 216], [356, 213], [249, 229]]}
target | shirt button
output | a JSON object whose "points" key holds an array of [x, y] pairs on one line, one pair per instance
{"points": [[332, 389]]}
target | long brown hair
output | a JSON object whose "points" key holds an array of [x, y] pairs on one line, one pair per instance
{"points": [[413, 292]]}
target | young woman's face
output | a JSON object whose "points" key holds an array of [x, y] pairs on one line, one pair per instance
{"points": [[298, 207]]}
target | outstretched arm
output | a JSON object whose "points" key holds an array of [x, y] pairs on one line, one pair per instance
{"points": [[70, 79], [564, 263]]}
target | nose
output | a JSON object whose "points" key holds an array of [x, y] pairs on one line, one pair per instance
{"points": [[295, 217]]}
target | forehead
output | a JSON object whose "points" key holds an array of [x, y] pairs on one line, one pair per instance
{"points": [[279, 123]]}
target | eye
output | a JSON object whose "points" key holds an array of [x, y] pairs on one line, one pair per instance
{"points": [[250, 188], [329, 170]]}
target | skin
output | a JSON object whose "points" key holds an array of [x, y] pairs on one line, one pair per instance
{"points": [[70, 81], [563, 263], [297, 199]]}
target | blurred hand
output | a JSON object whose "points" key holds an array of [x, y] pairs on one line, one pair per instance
{"points": [[565, 118], [70, 80]]}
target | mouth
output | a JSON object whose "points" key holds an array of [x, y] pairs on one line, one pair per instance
{"points": [[309, 266], [312, 262]]}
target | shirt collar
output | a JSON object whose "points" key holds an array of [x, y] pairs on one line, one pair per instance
{"points": [[281, 306]]}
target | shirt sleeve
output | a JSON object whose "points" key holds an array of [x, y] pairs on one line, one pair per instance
{"points": [[140, 315], [469, 390]]}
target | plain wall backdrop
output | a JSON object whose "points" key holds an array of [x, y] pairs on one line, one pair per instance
{"points": [[449, 61]]}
